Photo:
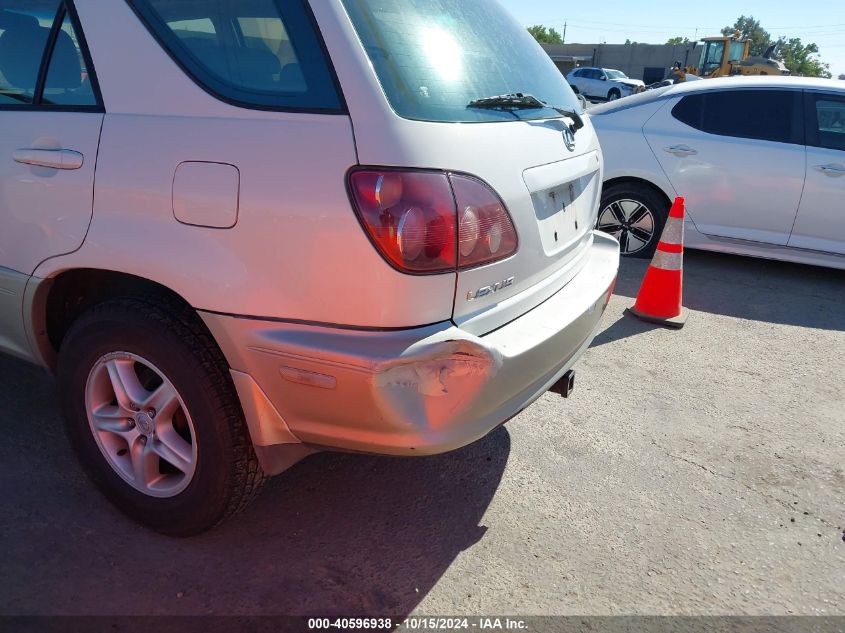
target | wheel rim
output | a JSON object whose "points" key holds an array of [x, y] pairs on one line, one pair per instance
{"points": [[630, 222], [613, 96], [141, 424]]}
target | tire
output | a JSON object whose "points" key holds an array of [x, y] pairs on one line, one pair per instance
{"points": [[157, 347], [635, 214], [614, 94]]}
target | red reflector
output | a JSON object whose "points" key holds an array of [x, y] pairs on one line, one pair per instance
{"points": [[413, 221]]}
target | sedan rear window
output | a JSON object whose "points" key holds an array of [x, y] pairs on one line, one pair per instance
{"points": [[262, 53], [767, 115], [433, 57]]}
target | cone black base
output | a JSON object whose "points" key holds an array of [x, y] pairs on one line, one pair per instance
{"points": [[674, 322]]}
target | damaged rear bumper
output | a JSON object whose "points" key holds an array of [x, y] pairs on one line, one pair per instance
{"points": [[408, 392]]}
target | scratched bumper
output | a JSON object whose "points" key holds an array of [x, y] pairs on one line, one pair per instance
{"points": [[409, 392]]}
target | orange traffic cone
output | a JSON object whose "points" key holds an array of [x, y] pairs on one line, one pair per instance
{"points": [[661, 294]]}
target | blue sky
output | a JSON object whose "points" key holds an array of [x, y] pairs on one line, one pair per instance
{"points": [[655, 21]]}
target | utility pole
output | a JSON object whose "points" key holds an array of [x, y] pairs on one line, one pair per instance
{"points": [[564, 33]]}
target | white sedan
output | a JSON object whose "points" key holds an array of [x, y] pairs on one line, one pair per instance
{"points": [[759, 160]]}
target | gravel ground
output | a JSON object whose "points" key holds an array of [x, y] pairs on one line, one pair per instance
{"points": [[698, 471]]}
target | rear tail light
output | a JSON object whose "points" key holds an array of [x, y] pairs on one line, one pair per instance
{"points": [[485, 230], [432, 222]]}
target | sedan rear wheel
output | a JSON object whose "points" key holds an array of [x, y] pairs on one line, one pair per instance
{"points": [[635, 215]]}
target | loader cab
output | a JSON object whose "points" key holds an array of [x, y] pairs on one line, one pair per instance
{"points": [[720, 54]]}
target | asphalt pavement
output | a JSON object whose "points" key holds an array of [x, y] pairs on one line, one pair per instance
{"points": [[698, 471]]}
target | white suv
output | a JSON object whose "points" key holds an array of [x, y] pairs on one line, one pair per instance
{"points": [[242, 232], [603, 83]]}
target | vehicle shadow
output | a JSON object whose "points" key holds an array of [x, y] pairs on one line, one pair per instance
{"points": [[336, 535], [745, 288]]}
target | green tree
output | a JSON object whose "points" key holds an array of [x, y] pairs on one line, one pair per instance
{"points": [[750, 29], [801, 59], [678, 41], [545, 35]]}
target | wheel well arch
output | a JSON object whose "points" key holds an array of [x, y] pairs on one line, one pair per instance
{"points": [[627, 180], [61, 299]]}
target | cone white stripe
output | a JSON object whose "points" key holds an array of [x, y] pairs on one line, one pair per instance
{"points": [[668, 261], [674, 231]]}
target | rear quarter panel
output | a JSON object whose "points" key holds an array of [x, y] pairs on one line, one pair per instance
{"points": [[626, 152]]}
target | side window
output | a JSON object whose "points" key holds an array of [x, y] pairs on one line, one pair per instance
{"points": [[269, 34], [689, 110], [24, 33], [827, 127], [68, 82], [768, 115], [262, 53]]}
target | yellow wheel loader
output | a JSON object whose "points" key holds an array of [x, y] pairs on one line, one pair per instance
{"points": [[730, 55]]}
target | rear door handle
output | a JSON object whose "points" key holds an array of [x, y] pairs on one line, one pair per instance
{"points": [[680, 150], [833, 170], [55, 158]]}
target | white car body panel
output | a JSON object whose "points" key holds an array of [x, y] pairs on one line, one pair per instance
{"points": [[45, 211], [624, 130], [820, 224], [742, 188]]}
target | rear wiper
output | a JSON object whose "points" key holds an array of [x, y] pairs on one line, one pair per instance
{"points": [[520, 101]]}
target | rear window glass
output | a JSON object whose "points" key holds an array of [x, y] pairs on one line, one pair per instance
{"points": [[767, 115], [759, 114], [261, 53], [689, 110], [433, 57]]}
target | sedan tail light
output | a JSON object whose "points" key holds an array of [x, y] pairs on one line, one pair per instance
{"points": [[432, 222]]}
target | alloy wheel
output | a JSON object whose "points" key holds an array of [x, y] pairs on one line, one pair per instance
{"points": [[630, 222], [141, 424]]}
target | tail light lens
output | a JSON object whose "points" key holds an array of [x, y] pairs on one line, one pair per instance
{"points": [[485, 230], [432, 222]]}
